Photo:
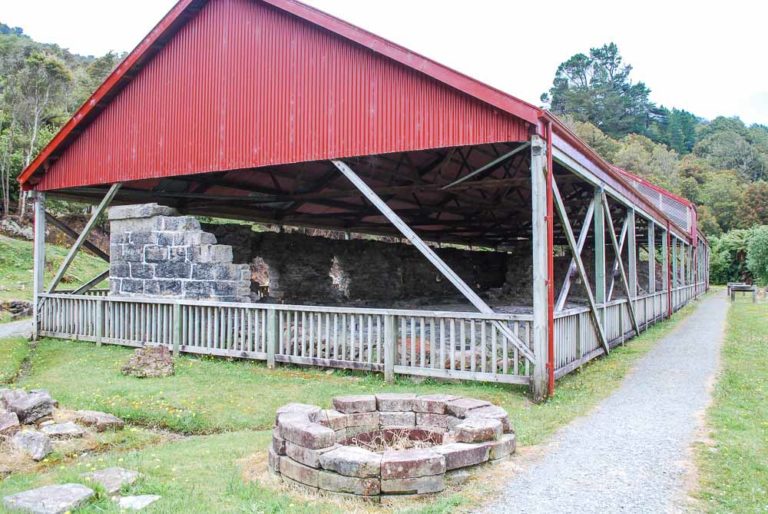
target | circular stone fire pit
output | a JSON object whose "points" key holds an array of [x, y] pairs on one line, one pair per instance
{"points": [[387, 444]]}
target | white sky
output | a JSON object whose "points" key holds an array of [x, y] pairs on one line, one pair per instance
{"points": [[704, 56]]}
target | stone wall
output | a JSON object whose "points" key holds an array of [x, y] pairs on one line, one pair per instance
{"points": [[156, 252]]}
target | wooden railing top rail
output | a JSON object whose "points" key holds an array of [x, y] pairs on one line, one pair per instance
{"points": [[301, 308]]}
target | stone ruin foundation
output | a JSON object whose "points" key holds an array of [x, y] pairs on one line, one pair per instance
{"points": [[387, 444]]}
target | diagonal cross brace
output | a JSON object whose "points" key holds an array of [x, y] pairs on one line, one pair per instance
{"points": [[615, 267], [441, 266], [566, 287], [580, 266], [83, 236], [615, 243], [488, 166]]}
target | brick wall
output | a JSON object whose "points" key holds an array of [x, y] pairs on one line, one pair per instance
{"points": [[156, 252]]}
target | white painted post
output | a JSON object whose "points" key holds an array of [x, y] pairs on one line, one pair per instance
{"points": [[176, 328], [651, 257], [272, 337], [390, 341], [632, 249], [38, 276], [100, 306], [539, 244], [600, 291]]}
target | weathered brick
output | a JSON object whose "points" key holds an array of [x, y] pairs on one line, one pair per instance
{"points": [[502, 448], [162, 287], [278, 443], [299, 472], [363, 419], [119, 270], [432, 403], [493, 412], [411, 463], [139, 270], [351, 485], [305, 433], [132, 253], [179, 223], [170, 238], [304, 410], [131, 286], [395, 402], [462, 406], [355, 403], [155, 253], [145, 210], [273, 461], [478, 430], [177, 253], [143, 238], [331, 419], [445, 421], [461, 455], [223, 289], [305, 456], [197, 289], [419, 485], [352, 461], [173, 270], [397, 419]]}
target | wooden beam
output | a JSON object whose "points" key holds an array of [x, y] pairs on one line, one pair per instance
{"points": [[74, 235], [580, 266], [614, 241], [92, 283], [599, 247], [540, 329], [38, 272], [615, 267], [651, 257], [86, 230], [632, 252], [566, 287], [486, 167], [436, 261]]}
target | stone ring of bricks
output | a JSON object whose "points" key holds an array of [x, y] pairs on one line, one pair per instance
{"points": [[387, 444]]}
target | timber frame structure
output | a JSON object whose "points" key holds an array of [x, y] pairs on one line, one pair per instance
{"points": [[271, 111]]}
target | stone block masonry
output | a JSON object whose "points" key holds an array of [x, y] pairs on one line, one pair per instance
{"points": [[156, 252]]}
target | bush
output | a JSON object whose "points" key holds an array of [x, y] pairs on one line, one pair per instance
{"points": [[757, 254]]}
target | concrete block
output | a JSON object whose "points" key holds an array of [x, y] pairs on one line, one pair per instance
{"points": [[145, 210], [162, 287], [131, 286], [432, 403], [412, 463], [478, 430], [493, 412], [351, 485], [177, 253], [180, 223], [419, 485], [331, 418], [142, 238], [352, 461], [175, 270], [397, 419], [155, 254], [502, 448], [395, 402], [299, 472], [119, 270], [142, 271], [363, 419], [305, 433], [461, 455], [462, 406], [305, 456], [355, 403]]}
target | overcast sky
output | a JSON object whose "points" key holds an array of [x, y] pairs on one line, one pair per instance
{"points": [[706, 57]]}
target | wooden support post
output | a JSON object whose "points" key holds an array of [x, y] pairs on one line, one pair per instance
{"points": [[100, 307], [615, 267], [600, 290], [273, 333], [665, 263], [38, 272], [674, 263], [651, 257], [632, 249], [539, 333], [390, 342], [86, 230], [177, 329], [431, 256]]}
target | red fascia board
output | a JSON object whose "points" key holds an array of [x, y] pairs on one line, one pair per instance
{"points": [[439, 72], [133, 59]]}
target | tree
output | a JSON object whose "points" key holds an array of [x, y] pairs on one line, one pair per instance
{"points": [[723, 192], [753, 209], [596, 88], [757, 254]]}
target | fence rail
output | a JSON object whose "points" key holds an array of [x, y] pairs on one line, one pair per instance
{"points": [[460, 345], [408, 342]]}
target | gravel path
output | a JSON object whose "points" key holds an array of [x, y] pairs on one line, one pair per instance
{"points": [[16, 328], [631, 453]]}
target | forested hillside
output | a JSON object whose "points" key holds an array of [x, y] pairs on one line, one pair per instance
{"points": [[721, 165], [41, 85]]}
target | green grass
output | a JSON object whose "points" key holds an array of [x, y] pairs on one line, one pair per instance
{"points": [[734, 469], [13, 351], [16, 268], [228, 407]]}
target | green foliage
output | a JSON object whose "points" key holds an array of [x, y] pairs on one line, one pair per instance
{"points": [[40, 87], [13, 351], [596, 88], [757, 254]]}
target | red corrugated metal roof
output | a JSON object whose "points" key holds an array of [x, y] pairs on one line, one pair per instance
{"points": [[228, 84]]}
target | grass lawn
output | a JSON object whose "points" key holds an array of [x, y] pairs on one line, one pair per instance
{"points": [[223, 411], [16, 268], [13, 351], [734, 469]]}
